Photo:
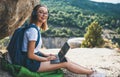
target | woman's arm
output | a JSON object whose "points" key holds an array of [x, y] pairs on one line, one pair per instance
{"points": [[46, 55], [31, 55]]}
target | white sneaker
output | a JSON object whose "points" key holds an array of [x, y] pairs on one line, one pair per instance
{"points": [[97, 74]]}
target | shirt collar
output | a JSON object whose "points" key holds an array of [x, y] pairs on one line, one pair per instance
{"points": [[37, 26]]}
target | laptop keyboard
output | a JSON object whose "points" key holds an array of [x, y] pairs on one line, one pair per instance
{"points": [[57, 57]]}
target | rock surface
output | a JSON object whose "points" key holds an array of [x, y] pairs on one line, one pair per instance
{"points": [[57, 42], [13, 13], [75, 42], [103, 60]]}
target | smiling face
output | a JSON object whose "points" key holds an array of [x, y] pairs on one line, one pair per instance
{"points": [[39, 16], [42, 14]]}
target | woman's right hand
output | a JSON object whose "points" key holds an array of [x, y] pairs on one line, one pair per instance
{"points": [[51, 58]]}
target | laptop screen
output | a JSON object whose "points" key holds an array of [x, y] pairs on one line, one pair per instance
{"points": [[63, 51]]}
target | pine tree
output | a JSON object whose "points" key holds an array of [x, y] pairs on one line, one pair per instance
{"points": [[93, 36]]}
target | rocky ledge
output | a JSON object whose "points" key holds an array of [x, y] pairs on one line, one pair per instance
{"points": [[102, 59], [13, 13]]}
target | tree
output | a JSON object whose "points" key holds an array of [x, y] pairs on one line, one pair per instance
{"points": [[93, 36]]}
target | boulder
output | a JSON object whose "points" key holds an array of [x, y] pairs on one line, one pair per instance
{"points": [[13, 13], [75, 42]]}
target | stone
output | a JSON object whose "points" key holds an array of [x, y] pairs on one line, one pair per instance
{"points": [[53, 42], [13, 13], [75, 42], [104, 60]]}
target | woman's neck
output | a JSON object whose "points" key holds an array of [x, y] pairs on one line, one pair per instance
{"points": [[38, 24]]}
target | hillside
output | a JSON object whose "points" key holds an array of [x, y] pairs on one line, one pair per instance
{"points": [[69, 18], [100, 8], [85, 5]]}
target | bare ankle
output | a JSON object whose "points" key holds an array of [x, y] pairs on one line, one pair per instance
{"points": [[91, 72]]}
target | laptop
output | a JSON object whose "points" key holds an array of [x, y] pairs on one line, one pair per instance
{"points": [[60, 57]]}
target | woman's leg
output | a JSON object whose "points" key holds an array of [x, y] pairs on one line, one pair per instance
{"points": [[75, 68]]}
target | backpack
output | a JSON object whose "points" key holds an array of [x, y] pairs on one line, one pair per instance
{"points": [[15, 45]]}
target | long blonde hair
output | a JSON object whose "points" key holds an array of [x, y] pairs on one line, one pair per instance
{"points": [[34, 19]]}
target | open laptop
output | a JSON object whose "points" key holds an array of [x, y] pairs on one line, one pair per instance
{"points": [[61, 55]]}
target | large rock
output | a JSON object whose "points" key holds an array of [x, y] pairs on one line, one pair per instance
{"points": [[57, 42], [13, 13], [75, 42], [102, 59], [53, 42]]}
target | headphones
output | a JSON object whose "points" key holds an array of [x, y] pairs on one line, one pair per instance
{"points": [[34, 13]]}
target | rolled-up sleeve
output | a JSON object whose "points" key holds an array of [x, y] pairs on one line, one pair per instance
{"points": [[32, 34]]}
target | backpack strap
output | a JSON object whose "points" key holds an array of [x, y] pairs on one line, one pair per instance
{"points": [[38, 39]]}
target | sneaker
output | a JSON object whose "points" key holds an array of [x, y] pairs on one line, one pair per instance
{"points": [[97, 74]]}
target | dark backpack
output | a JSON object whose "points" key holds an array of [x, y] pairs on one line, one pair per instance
{"points": [[15, 46]]}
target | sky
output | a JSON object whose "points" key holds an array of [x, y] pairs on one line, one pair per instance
{"points": [[108, 1]]}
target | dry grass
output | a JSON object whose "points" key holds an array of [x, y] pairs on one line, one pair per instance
{"points": [[109, 44]]}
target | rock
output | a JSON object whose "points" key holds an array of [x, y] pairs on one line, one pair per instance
{"points": [[4, 74], [102, 59], [53, 42], [75, 42], [13, 13], [57, 42]]}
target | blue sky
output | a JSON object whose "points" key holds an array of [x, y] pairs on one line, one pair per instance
{"points": [[108, 1]]}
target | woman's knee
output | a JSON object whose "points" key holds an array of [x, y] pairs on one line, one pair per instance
{"points": [[68, 60], [66, 64]]}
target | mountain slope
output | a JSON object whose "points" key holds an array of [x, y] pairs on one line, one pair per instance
{"points": [[71, 17], [106, 8], [97, 7]]}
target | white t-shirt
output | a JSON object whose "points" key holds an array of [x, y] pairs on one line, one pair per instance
{"points": [[31, 35]]}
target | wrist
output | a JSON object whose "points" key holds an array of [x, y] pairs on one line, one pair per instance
{"points": [[47, 59], [44, 59]]}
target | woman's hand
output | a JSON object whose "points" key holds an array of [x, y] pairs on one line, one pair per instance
{"points": [[49, 55], [52, 57]]}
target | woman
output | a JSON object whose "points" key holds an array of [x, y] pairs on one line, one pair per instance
{"points": [[41, 63]]}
